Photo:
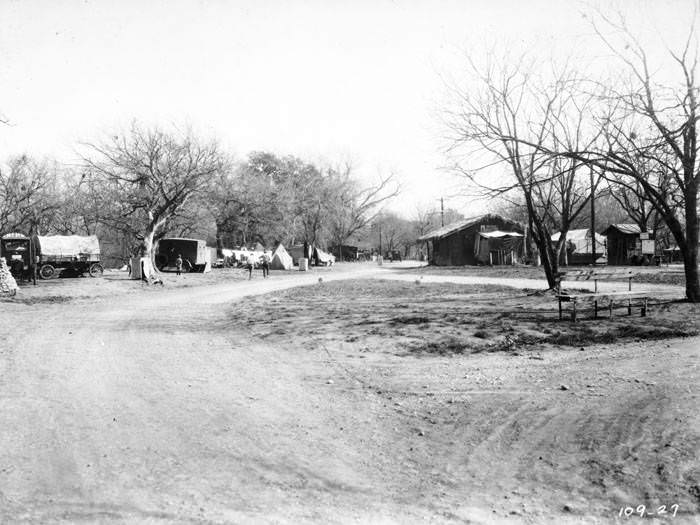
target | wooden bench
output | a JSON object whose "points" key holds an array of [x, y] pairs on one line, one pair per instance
{"points": [[596, 275]]}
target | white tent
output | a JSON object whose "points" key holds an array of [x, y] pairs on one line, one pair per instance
{"points": [[324, 258], [581, 241], [281, 260]]}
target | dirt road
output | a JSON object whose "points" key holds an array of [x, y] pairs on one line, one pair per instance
{"points": [[148, 408]]}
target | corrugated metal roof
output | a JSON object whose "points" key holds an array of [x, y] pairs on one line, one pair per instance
{"points": [[444, 231], [627, 229]]}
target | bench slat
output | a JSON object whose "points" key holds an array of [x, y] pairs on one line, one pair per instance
{"points": [[589, 275], [602, 296]]}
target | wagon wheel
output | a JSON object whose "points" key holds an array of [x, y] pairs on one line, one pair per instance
{"points": [[47, 271], [96, 270]]}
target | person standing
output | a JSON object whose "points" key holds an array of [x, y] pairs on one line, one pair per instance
{"points": [[250, 264], [265, 264], [178, 264]]}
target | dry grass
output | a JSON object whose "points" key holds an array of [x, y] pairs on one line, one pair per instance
{"points": [[447, 319], [647, 274]]}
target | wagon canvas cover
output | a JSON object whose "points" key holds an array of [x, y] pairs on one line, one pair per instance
{"points": [[69, 246]]}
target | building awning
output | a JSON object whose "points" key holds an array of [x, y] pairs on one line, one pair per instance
{"points": [[499, 234]]}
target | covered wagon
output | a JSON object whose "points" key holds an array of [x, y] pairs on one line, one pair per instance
{"points": [[71, 254]]}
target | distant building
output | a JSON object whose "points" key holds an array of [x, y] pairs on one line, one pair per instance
{"points": [[486, 239], [345, 252], [579, 247], [628, 244]]}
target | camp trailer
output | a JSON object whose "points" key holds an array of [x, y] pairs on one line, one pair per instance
{"points": [[196, 255]]}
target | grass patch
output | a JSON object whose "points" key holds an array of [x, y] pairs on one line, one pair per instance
{"points": [[445, 319], [447, 346], [46, 299]]}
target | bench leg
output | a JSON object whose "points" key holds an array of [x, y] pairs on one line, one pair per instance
{"points": [[644, 308], [573, 311]]}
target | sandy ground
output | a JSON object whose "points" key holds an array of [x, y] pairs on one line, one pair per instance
{"points": [[132, 405]]}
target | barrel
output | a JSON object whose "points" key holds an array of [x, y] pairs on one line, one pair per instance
{"points": [[303, 264]]}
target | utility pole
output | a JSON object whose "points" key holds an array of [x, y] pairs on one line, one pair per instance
{"points": [[442, 211], [593, 218]]}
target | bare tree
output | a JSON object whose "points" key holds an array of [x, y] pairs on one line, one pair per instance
{"points": [[28, 195], [146, 176], [512, 115], [651, 133], [630, 196], [355, 206]]}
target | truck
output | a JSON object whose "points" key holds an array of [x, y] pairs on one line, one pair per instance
{"points": [[68, 255], [196, 255], [51, 255], [21, 255]]}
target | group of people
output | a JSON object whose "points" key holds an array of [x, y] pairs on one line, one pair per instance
{"points": [[264, 261], [250, 263]]}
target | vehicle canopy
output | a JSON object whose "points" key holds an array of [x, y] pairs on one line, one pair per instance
{"points": [[69, 247]]}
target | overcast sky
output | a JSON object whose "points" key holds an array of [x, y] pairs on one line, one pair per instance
{"points": [[337, 80]]}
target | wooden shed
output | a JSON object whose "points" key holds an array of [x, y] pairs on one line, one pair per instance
{"points": [[486, 239], [628, 244]]}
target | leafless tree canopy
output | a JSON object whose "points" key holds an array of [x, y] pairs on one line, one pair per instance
{"points": [[552, 129], [147, 176]]}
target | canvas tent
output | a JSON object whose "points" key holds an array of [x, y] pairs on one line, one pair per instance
{"points": [[281, 260], [323, 258], [579, 249]]}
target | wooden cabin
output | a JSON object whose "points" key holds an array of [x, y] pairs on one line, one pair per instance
{"points": [[486, 239]]}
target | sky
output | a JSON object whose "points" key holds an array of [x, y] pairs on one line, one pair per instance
{"points": [[330, 81]]}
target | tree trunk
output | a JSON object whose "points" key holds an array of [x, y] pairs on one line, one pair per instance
{"points": [[548, 256], [544, 244], [690, 253], [219, 242]]}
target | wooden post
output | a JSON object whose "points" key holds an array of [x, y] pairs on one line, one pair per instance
{"points": [[573, 311], [629, 301], [593, 254], [610, 306]]}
